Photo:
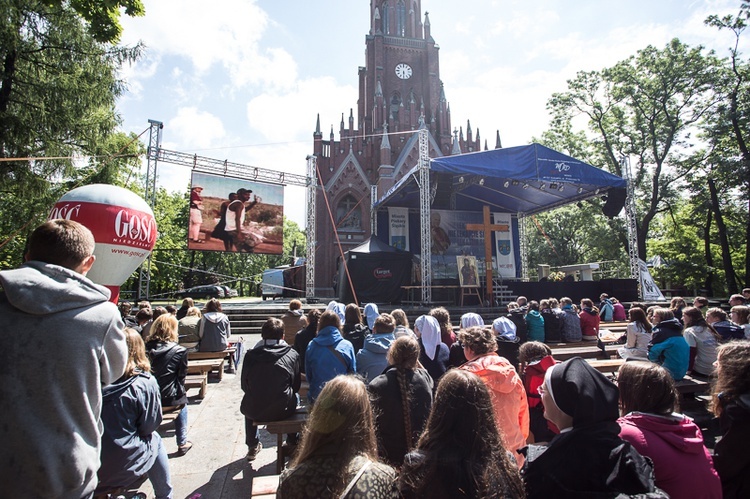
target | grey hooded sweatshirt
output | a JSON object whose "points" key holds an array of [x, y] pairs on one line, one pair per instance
{"points": [[61, 341]]}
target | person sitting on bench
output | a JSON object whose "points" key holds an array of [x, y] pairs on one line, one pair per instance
{"points": [[270, 379]]}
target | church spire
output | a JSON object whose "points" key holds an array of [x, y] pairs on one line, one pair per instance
{"points": [[317, 128], [498, 144], [456, 146], [427, 35]]}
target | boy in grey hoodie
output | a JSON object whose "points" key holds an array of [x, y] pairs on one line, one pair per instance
{"points": [[61, 341]]}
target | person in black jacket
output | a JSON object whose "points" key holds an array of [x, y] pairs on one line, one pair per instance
{"points": [[354, 330], [270, 379], [169, 367], [587, 458], [401, 400]]}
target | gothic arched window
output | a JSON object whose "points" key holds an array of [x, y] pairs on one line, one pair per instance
{"points": [[400, 18], [348, 214], [395, 105], [386, 23]]}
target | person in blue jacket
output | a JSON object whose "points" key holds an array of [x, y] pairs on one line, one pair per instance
{"points": [[371, 360], [328, 354], [131, 414], [668, 347]]}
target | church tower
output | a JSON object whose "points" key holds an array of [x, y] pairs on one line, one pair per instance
{"points": [[400, 91]]}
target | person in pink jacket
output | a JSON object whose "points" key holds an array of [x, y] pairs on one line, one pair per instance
{"points": [[682, 465], [508, 394]]}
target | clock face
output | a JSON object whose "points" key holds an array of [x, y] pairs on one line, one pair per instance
{"points": [[403, 71]]}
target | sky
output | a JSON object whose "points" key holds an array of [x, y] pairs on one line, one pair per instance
{"points": [[244, 80]]}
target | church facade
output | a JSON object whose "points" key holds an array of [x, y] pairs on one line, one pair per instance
{"points": [[400, 91]]}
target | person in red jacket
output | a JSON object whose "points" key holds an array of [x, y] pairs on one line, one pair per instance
{"points": [[535, 358], [589, 320], [682, 465]]}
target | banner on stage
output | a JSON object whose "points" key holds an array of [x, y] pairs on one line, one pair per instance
{"points": [[505, 257], [398, 219], [649, 289], [234, 215]]}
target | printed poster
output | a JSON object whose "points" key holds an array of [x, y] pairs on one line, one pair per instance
{"points": [[398, 219], [504, 255]]}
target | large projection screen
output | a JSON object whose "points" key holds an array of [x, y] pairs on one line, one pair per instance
{"points": [[239, 216]]}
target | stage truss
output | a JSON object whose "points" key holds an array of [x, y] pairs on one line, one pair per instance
{"points": [[202, 164]]}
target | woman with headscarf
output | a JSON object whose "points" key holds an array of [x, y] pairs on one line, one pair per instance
{"points": [[587, 458], [434, 354], [508, 394], [457, 356], [371, 313], [507, 341]]}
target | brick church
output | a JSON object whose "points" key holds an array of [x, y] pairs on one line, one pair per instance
{"points": [[399, 91]]}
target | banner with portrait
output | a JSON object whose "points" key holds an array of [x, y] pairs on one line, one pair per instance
{"points": [[504, 255], [235, 215], [398, 221]]}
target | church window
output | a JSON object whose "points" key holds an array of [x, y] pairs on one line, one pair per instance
{"points": [[400, 18], [348, 215], [386, 19], [395, 105]]}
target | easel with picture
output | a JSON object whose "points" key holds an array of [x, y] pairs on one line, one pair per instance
{"points": [[468, 278]]}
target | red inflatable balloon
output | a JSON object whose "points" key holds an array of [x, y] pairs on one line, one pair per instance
{"points": [[123, 225]]}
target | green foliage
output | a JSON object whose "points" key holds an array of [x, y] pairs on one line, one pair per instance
{"points": [[103, 16]]}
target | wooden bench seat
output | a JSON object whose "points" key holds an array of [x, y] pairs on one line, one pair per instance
{"points": [[199, 381], [205, 366], [169, 414], [591, 351], [264, 486], [688, 384], [606, 365], [292, 424]]}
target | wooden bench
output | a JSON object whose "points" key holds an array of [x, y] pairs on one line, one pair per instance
{"points": [[606, 365], [590, 351], [225, 354], [292, 424], [169, 414], [264, 487], [205, 366], [199, 381], [688, 384]]}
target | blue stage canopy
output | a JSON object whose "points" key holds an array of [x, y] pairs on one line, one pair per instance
{"points": [[524, 179]]}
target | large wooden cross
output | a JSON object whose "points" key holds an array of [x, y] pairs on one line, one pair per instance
{"points": [[488, 228]]}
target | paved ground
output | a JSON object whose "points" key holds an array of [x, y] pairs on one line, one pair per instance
{"points": [[215, 468]]}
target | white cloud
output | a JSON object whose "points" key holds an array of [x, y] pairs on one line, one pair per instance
{"points": [[290, 115], [226, 33], [195, 129]]}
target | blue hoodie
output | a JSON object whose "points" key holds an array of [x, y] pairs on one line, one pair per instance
{"points": [[322, 364], [131, 414], [371, 360]]}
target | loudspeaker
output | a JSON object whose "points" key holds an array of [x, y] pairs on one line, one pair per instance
{"points": [[615, 201]]}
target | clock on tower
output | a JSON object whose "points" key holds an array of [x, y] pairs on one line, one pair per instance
{"points": [[403, 71]]}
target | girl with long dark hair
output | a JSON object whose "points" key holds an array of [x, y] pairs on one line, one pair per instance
{"points": [[460, 453]]}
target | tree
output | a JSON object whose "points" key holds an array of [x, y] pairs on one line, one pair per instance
{"points": [[646, 107], [58, 87], [728, 132]]}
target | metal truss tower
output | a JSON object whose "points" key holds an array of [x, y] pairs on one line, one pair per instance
{"points": [[154, 144], [312, 179], [630, 217], [424, 215]]}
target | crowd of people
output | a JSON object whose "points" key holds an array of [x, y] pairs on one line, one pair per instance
{"points": [[422, 411], [407, 412]]}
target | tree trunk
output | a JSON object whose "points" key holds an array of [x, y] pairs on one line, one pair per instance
{"points": [[709, 258], [6, 86], [721, 227]]}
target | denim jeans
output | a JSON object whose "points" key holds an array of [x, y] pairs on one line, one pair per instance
{"points": [[158, 475], [251, 434], [180, 427]]}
